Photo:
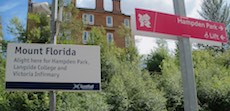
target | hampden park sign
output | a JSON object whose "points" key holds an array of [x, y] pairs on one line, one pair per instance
{"points": [[157, 24], [52, 67]]}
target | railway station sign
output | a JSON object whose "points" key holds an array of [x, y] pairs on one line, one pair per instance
{"points": [[53, 67]]}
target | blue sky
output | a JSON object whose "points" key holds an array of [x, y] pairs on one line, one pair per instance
{"points": [[14, 8], [7, 11]]}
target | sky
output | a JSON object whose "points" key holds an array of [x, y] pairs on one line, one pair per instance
{"points": [[12, 8]]}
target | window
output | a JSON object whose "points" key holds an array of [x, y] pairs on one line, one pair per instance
{"points": [[67, 16], [109, 21], [88, 19], [85, 37], [91, 19], [109, 37], [67, 2], [126, 22], [84, 18], [68, 35], [91, 38]]}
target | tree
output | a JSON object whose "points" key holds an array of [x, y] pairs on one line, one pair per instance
{"points": [[38, 29], [125, 86], [71, 27], [215, 10], [155, 58], [170, 82], [1, 35], [218, 11], [212, 78]]}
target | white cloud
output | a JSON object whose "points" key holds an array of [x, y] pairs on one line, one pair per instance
{"points": [[192, 7], [145, 44], [86, 3], [8, 6], [128, 6]]}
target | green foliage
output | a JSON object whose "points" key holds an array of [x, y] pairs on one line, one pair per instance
{"points": [[2, 75], [124, 31], [1, 33], [17, 29], [127, 87], [38, 29], [117, 94], [91, 101], [71, 27], [213, 77], [170, 82], [215, 10], [21, 101], [155, 58]]}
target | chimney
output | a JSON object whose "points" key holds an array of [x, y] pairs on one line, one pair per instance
{"points": [[30, 3], [99, 5], [116, 6]]}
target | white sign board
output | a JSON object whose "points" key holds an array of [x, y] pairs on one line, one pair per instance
{"points": [[53, 67]]}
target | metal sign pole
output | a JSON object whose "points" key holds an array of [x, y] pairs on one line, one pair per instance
{"points": [[52, 94], [188, 77]]}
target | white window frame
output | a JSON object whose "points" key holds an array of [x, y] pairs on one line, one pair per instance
{"points": [[108, 35], [86, 19], [126, 22], [107, 21], [85, 33]]}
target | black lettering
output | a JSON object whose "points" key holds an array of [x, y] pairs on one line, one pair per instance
{"points": [[18, 50]]}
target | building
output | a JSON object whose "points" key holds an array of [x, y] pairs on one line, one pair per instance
{"points": [[110, 20]]}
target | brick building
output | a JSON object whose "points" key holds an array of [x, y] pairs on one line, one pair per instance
{"points": [[110, 20]]}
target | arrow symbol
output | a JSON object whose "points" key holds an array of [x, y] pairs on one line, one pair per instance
{"points": [[221, 28], [222, 37]]}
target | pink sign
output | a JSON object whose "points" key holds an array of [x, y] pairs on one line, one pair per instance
{"points": [[156, 22]]}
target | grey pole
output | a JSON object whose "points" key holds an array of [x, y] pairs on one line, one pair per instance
{"points": [[188, 77], [53, 21], [52, 94]]}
